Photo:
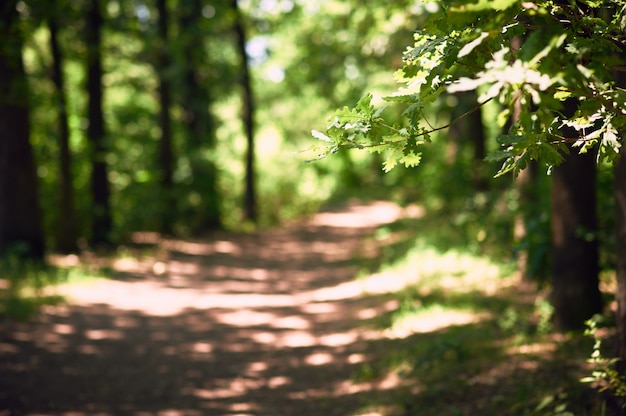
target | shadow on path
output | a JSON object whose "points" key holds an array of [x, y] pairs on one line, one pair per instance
{"points": [[264, 324]]}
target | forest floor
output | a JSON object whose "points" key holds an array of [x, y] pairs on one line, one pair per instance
{"points": [[296, 320], [233, 324]]}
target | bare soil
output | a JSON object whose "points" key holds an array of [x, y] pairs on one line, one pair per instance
{"points": [[233, 324]]}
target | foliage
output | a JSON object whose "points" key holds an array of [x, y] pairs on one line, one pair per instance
{"points": [[568, 51], [22, 284], [604, 376], [464, 337], [298, 71], [553, 406]]}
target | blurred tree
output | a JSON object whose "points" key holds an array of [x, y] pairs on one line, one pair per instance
{"points": [[524, 188], [67, 233], [199, 122], [250, 210], [479, 148], [20, 218], [166, 151], [575, 260], [469, 129], [100, 189], [619, 181], [620, 207]]}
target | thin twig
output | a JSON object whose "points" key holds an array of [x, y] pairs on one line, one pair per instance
{"points": [[425, 133]]}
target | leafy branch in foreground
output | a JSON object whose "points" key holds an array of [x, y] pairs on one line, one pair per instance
{"points": [[567, 51], [365, 128]]}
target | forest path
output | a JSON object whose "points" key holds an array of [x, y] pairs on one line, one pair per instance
{"points": [[255, 324]]}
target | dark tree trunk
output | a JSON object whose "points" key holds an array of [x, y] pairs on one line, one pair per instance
{"points": [[250, 212], [575, 260], [528, 214], [476, 130], [66, 240], [20, 216], [100, 192], [166, 151], [619, 178], [199, 121], [620, 224], [469, 129]]}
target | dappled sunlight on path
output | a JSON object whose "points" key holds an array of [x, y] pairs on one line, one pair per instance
{"points": [[263, 324]]}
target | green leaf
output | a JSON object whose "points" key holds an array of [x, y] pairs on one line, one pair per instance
{"points": [[482, 5], [411, 159], [468, 48], [320, 136], [379, 111], [390, 163], [593, 3], [562, 94], [610, 143], [555, 43], [364, 106], [509, 139], [586, 72]]}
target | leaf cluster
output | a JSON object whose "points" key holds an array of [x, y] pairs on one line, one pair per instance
{"points": [[604, 375], [556, 64]]}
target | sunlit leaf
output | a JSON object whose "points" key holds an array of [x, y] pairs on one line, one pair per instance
{"points": [[562, 94], [320, 136], [483, 5], [390, 162], [468, 48], [411, 159]]}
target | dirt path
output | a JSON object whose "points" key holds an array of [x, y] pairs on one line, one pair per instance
{"points": [[264, 324]]}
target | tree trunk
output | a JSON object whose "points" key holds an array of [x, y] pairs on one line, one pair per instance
{"points": [[619, 180], [20, 216], [67, 236], [469, 129], [199, 122], [250, 212], [524, 183], [101, 209], [476, 131], [620, 224], [575, 261], [166, 151]]}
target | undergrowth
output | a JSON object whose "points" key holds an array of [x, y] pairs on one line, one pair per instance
{"points": [[27, 285], [22, 284], [468, 338]]}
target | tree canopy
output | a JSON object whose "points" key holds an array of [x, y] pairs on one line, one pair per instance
{"points": [[534, 54]]}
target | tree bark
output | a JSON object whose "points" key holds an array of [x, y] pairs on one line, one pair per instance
{"points": [[21, 231], [250, 210], [100, 192], [67, 233]]}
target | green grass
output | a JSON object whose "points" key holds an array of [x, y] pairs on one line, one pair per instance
{"points": [[467, 338], [27, 286]]}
